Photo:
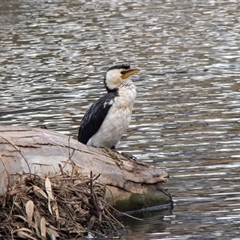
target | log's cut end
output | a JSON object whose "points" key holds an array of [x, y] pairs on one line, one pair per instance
{"points": [[42, 151]]}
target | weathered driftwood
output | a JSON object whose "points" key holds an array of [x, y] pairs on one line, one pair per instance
{"points": [[42, 151]]}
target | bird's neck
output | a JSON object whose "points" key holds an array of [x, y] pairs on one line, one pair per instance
{"points": [[127, 91], [126, 84]]}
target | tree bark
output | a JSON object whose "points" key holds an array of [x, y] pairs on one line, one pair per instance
{"points": [[130, 184]]}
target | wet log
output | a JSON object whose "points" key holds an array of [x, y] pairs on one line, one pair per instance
{"points": [[130, 184]]}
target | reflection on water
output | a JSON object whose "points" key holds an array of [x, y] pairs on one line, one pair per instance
{"points": [[53, 56]]}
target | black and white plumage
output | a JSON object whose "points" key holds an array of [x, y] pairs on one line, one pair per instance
{"points": [[107, 119]]}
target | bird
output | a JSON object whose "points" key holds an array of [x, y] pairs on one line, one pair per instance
{"points": [[107, 119]]}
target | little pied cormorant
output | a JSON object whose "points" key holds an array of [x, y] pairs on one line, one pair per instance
{"points": [[107, 119]]}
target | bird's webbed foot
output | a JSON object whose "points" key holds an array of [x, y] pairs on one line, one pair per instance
{"points": [[129, 156], [114, 154], [113, 148], [111, 151]]}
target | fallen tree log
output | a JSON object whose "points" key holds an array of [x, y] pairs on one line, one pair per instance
{"points": [[130, 184]]}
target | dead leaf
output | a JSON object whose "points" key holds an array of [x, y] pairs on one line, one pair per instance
{"points": [[17, 205], [22, 217], [23, 229], [37, 223], [49, 206], [43, 228], [23, 233], [48, 188], [39, 192], [14, 191], [55, 209], [29, 211], [52, 232]]}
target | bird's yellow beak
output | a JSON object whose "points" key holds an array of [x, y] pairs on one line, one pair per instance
{"points": [[129, 72]]}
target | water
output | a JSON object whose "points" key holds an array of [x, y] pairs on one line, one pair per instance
{"points": [[53, 56]]}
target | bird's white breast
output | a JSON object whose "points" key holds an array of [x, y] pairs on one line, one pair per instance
{"points": [[118, 118]]}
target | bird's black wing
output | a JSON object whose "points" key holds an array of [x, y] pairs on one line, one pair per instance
{"points": [[93, 118]]}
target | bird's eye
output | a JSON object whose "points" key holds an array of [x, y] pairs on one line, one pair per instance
{"points": [[122, 72]]}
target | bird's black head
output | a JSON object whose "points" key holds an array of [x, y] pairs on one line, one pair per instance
{"points": [[117, 74]]}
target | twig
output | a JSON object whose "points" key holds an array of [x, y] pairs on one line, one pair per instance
{"points": [[19, 152], [114, 218], [61, 169], [8, 182], [122, 213]]}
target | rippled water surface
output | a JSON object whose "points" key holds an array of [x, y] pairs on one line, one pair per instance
{"points": [[53, 56]]}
